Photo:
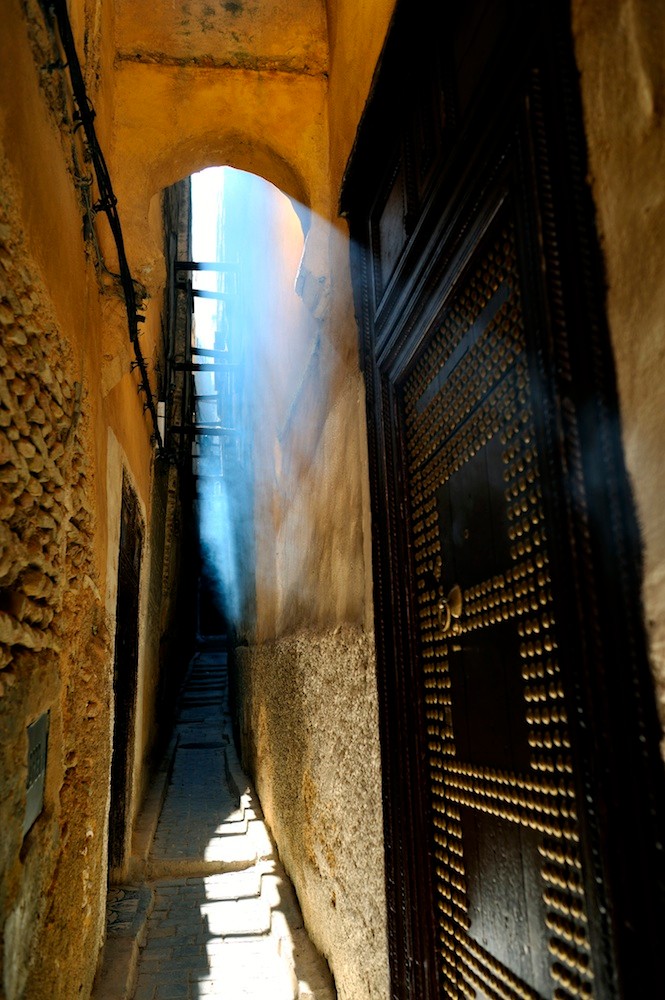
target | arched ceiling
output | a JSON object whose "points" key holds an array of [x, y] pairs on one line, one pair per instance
{"points": [[275, 87]]}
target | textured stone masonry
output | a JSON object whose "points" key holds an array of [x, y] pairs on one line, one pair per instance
{"points": [[54, 648], [45, 531]]}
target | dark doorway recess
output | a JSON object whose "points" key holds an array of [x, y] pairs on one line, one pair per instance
{"points": [[523, 788], [125, 671]]}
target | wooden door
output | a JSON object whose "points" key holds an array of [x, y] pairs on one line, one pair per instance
{"points": [[500, 773], [125, 677], [523, 788]]}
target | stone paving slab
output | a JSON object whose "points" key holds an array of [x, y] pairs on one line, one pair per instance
{"points": [[127, 908], [199, 800], [127, 913], [236, 917], [254, 843], [223, 921], [234, 885]]}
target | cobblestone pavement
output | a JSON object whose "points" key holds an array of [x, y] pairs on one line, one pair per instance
{"points": [[213, 915]]}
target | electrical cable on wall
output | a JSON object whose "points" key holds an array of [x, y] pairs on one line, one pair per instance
{"points": [[107, 202]]}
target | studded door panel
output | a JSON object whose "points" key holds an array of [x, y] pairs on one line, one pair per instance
{"points": [[511, 912]]}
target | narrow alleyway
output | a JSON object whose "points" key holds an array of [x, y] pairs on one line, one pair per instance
{"points": [[209, 912]]}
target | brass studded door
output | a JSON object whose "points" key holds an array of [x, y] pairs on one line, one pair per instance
{"points": [[511, 915], [522, 786]]}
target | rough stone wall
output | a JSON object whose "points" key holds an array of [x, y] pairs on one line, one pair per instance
{"points": [[309, 724], [619, 47], [53, 645], [62, 323]]}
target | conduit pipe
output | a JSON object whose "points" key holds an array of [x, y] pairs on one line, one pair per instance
{"points": [[85, 115]]}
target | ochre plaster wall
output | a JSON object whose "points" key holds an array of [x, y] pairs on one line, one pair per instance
{"points": [[620, 48], [284, 35], [173, 121], [62, 326]]}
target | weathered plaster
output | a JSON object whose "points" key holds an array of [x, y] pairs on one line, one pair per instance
{"points": [[319, 545], [58, 321], [53, 637], [308, 441], [620, 48], [270, 124], [309, 727], [289, 35]]}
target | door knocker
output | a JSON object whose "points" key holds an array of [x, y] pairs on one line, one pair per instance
{"points": [[449, 608]]}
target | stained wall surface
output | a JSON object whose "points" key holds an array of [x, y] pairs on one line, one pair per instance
{"points": [[71, 425], [620, 48], [277, 35]]}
